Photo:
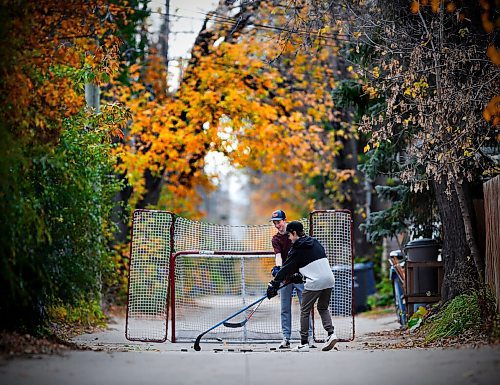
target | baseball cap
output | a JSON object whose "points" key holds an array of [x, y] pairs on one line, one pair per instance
{"points": [[278, 215], [295, 226]]}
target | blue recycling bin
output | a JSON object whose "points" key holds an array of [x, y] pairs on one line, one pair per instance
{"points": [[364, 285]]}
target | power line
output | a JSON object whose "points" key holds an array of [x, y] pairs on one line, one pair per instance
{"points": [[225, 20], [176, 15], [182, 32]]}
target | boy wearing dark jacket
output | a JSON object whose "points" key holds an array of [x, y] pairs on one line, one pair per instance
{"points": [[307, 257]]}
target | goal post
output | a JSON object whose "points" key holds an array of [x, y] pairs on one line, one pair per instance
{"points": [[189, 275]]}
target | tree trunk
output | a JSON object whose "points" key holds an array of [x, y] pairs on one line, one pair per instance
{"points": [[120, 213], [460, 274], [355, 189], [469, 231], [153, 189]]}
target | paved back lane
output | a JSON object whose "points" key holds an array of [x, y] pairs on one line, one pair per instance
{"points": [[389, 367], [122, 362]]}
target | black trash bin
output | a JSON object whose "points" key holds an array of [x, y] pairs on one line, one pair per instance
{"points": [[425, 279], [364, 285], [370, 278]]}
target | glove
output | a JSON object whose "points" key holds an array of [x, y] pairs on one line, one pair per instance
{"points": [[272, 289], [275, 270], [296, 278]]}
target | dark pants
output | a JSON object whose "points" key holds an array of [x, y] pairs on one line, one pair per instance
{"points": [[309, 297]]}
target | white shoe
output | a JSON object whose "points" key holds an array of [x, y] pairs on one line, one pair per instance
{"points": [[330, 342], [301, 348], [285, 344], [311, 343]]}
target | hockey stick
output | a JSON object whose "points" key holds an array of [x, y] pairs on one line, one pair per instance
{"points": [[242, 323], [233, 325]]}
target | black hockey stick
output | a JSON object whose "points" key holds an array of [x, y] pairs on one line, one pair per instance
{"points": [[232, 325]]}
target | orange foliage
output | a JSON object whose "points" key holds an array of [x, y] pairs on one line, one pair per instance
{"points": [[155, 75], [451, 7], [435, 5], [414, 7], [494, 55], [233, 103], [492, 111], [488, 25], [51, 41]]}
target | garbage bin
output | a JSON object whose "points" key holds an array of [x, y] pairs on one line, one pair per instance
{"points": [[364, 285], [341, 300], [425, 279], [370, 278]]}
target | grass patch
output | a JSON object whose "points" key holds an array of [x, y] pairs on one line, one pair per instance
{"points": [[379, 312], [471, 313]]}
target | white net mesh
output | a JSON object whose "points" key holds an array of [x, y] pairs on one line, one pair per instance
{"points": [[147, 309], [194, 235], [333, 231], [208, 283]]}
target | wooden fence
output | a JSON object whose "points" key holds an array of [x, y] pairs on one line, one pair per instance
{"points": [[492, 227]]}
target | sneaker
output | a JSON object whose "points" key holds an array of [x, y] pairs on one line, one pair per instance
{"points": [[311, 343], [301, 348], [330, 342], [285, 344]]}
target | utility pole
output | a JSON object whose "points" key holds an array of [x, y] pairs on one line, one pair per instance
{"points": [[92, 96], [164, 33], [93, 92]]}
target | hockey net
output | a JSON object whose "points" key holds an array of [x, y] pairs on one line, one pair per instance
{"points": [[190, 275], [208, 287]]}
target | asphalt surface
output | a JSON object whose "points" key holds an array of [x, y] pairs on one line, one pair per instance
{"points": [[114, 360]]}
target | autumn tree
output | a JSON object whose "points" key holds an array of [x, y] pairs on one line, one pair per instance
{"points": [[265, 117], [437, 86], [435, 63]]}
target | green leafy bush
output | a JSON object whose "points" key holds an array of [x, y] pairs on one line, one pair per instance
{"points": [[55, 221], [384, 296], [83, 312]]}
